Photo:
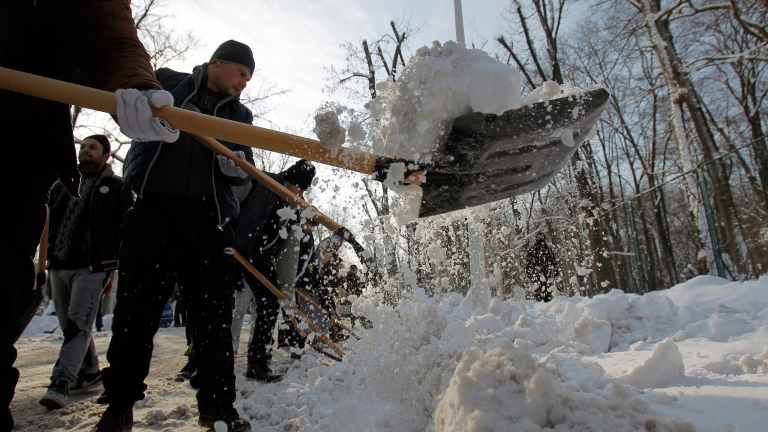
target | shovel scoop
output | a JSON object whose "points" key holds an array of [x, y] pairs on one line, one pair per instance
{"points": [[488, 157]]}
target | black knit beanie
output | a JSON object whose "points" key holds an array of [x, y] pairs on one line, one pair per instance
{"points": [[102, 140], [300, 174], [235, 52]]}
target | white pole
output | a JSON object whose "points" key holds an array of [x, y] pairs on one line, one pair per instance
{"points": [[459, 21], [479, 291]]}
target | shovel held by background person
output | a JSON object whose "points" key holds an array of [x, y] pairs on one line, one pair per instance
{"points": [[280, 296], [484, 158]]}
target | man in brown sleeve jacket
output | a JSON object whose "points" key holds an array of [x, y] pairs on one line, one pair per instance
{"points": [[89, 42]]}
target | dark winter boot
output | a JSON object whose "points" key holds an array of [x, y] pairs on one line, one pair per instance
{"points": [[226, 415], [185, 372], [103, 399], [117, 418], [258, 369]]}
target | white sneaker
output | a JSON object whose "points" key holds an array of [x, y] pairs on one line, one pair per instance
{"points": [[57, 395]]}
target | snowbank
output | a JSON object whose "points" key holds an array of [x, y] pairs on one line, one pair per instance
{"points": [[615, 362], [436, 364]]}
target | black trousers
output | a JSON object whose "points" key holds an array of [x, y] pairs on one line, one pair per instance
{"points": [[288, 335], [544, 291], [18, 244], [266, 312], [167, 242]]}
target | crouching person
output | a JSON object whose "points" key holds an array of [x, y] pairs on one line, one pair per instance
{"points": [[268, 236], [84, 241]]}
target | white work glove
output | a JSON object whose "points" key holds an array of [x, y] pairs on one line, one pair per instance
{"points": [[290, 298], [134, 114], [228, 167]]}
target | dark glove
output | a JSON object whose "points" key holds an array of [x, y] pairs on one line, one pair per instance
{"points": [[344, 233]]}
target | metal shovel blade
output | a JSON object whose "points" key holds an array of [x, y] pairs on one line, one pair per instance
{"points": [[488, 157]]}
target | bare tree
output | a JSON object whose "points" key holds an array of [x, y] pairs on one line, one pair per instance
{"points": [[548, 17]]}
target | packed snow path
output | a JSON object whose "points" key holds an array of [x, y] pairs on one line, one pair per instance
{"points": [[694, 357]]}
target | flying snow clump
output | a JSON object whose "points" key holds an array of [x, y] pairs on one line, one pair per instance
{"points": [[438, 84]]}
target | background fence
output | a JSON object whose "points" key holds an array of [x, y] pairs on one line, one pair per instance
{"points": [[711, 221]]}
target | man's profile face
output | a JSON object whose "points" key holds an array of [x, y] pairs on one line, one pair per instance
{"points": [[228, 78], [92, 157], [295, 189]]}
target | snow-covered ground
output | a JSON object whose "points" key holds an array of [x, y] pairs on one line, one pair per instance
{"points": [[694, 357]]}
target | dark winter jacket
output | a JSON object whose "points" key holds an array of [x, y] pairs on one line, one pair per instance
{"points": [[106, 205], [541, 262], [320, 277], [257, 229], [89, 42], [317, 279], [187, 168]]}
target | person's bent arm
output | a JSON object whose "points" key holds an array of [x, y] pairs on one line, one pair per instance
{"points": [[109, 52]]}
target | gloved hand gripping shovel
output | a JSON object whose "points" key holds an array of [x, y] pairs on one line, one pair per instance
{"points": [[484, 158]]}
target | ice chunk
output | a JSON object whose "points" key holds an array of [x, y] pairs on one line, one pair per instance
{"points": [[328, 130], [567, 138], [287, 213], [356, 132]]}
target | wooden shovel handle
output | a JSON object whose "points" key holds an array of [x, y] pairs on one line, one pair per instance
{"points": [[192, 122], [281, 296], [281, 191], [298, 329]]}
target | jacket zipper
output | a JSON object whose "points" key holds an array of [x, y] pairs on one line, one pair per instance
{"points": [[160, 147], [220, 226], [213, 170], [90, 219]]}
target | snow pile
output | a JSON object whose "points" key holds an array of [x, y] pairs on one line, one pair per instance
{"points": [[42, 324], [615, 362], [438, 84], [663, 366], [491, 390], [552, 90], [438, 364]]}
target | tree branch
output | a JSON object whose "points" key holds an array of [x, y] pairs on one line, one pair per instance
{"points": [[520, 66], [529, 41], [371, 70]]}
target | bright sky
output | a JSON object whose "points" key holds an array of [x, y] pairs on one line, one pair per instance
{"points": [[294, 40]]}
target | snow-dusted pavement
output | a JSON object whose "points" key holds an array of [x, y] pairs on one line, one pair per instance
{"points": [[694, 357]]}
